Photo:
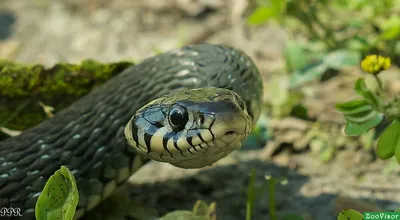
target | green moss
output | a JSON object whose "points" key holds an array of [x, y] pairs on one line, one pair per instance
{"points": [[18, 80], [58, 86]]}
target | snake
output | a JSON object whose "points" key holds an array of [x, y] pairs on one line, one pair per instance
{"points": [[188, 107]]}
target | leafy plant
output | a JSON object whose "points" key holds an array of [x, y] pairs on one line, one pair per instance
{"points": [[305, 64], [317, 63], [59, 198], [367, 112], [350, 214], [368, 27]]}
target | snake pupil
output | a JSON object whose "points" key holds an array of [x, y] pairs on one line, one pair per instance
{"points": [[178, 117]]}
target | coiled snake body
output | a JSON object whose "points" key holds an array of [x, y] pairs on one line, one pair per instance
{"points": [[188, 107]]}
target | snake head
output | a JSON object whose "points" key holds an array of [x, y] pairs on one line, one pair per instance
{"points": [[190, 128]]}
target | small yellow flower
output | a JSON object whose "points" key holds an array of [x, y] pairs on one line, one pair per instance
{"points": [[375, 64]]}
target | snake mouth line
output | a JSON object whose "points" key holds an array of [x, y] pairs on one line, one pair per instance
{"points": [[211, 152], [205, 149]]}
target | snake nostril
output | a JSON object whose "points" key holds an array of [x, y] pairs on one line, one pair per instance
{"points": [[230, 132], [201, 118]]}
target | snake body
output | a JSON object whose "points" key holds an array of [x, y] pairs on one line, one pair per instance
{"points": [[88, 137]]}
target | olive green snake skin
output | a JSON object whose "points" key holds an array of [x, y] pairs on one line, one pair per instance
{"points": [[88, 137]]}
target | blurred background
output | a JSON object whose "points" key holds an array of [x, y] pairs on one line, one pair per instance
{"points": [[309, 54]]}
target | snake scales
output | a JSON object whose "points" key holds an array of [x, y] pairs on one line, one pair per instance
{"points": [[197, 121]]}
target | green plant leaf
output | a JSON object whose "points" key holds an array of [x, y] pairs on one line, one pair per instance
{"points": [[353, 129], [278, 6], [342, 58], [359, 114], [59, 197], [200, 208], [389, 141], [362, 89], [366, 114], [354, 106], [261, 15], [350, 214], [307, 74], [355, 44], [358, 111], [391, 28], [296, 57], [336, 60]]}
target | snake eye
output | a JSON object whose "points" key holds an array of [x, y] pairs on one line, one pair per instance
{"points": [[178, 117]]}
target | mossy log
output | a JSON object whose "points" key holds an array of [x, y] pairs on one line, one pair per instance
{"points": [[25, 88]]}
